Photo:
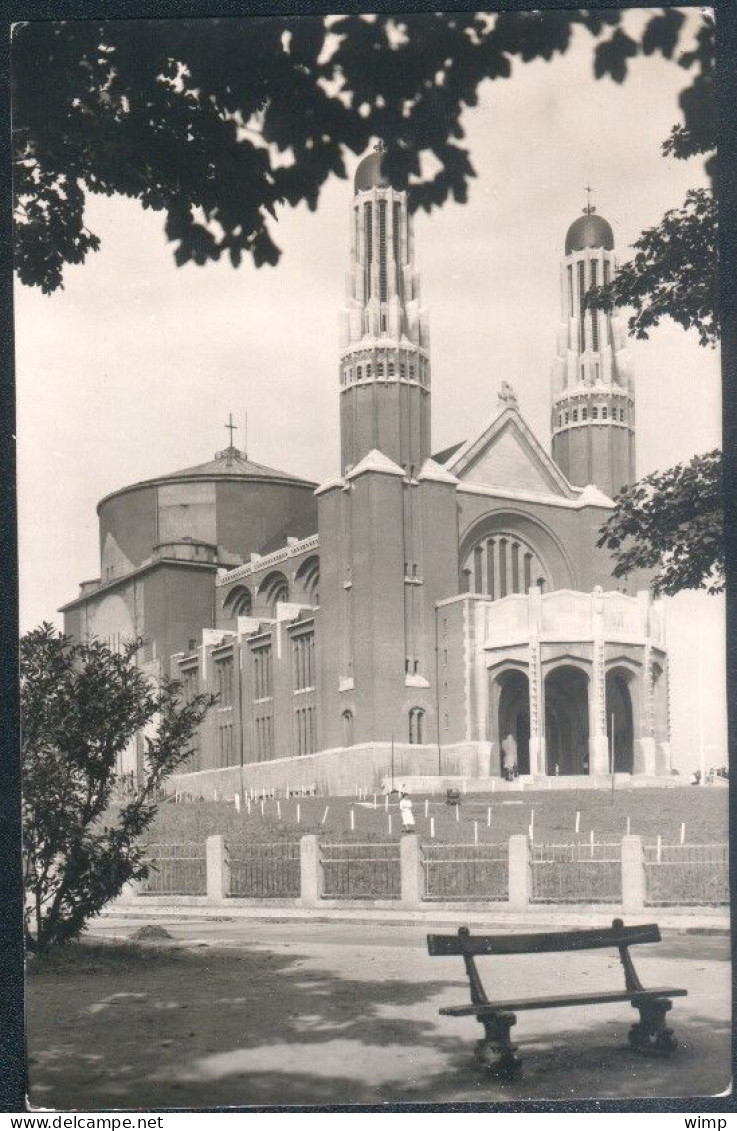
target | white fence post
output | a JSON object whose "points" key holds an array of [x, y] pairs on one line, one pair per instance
{"points": [[633, 875], [218, 869], [520, 873], [310, 872], [410, 869]]}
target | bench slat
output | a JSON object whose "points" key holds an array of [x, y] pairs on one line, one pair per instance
{"points": [[544, 943], [559, 1000]]}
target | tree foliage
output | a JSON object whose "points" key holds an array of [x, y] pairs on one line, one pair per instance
{"points": [[673, 273], [673, 522], [81, 704], [220, 122]]}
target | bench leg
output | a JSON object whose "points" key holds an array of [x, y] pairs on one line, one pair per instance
{"points": [[650, 1034], [495, 1050]]}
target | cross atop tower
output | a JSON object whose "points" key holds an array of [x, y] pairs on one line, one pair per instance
{"points": [[590, 208], [231, 427]]}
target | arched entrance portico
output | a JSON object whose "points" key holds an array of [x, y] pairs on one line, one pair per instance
{"points": [[619, 719], [567, 720]]}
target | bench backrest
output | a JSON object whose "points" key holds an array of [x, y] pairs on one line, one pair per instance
{"points": [[617, 935]]}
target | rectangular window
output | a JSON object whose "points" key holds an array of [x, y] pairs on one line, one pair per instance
{"points": [[594, 413], [411, 372], [380, 369], [581, 308], [584, 413], [390, 368], [604, 413], [570, 291], [575, 416], [490, 567], [369, 244], [478, 584], [397, 234], [402, 372], [262, 684], [594, 313], [382, 250], [621, 415], [224, 681], [515, 567], [303, 661]]}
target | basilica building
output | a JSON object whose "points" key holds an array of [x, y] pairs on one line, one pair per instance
{"points": [[409, 614]]}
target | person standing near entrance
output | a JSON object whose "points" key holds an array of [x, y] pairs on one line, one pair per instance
{"points": [[509, 757], [405, 811]]}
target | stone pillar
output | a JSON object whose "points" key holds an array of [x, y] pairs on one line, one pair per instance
{"points": [[598, 741], [520, 873], [644, 753], [218, 869], [412, 880], [633, 875], [535, 685], [310, 872]]}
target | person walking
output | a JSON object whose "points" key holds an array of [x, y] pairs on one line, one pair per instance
{"points": [[405, 812]]}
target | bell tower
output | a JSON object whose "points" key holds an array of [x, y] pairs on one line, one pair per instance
{"points": [[384, 359], [593, 395]]}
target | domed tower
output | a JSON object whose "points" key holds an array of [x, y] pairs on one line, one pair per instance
{"points": [[384, 361], [593, 403]]}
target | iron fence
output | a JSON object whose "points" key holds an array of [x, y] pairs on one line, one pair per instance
{"points": [[175, 869], [686, 874], [466, 871], [360, 871], [576, 873], [266, 871]]}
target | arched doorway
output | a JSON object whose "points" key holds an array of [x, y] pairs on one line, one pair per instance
{"points": [[514, 714], [619, 723], [567, 721]]}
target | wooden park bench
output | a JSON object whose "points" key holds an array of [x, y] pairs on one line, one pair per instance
{"points": [[495, 1050]]}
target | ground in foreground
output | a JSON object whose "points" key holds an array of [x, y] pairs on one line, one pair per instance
{"points": [[289, 1013]]}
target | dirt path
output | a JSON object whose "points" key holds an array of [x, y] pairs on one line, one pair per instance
{"points": [[275, 1017]]}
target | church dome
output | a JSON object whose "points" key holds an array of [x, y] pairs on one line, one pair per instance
{"points": [[369, 173], [589, 230]]}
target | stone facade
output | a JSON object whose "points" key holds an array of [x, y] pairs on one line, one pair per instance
{"points": [[413, 614]]}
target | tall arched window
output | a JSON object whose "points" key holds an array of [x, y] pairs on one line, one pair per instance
{"points": [[416, 725], [347, 728], [273, 588], [500, 565]]}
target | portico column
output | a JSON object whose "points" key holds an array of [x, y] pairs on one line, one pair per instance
{"points": [[535, 688], [598, 741], [644, 737]]}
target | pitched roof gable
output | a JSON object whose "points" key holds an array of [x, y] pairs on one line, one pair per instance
{"points": [[505, 454]]}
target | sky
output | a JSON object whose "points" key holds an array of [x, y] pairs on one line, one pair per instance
{"points": [[132, 369]]}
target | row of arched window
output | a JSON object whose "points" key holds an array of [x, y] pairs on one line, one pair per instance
{"points": [[415, 721], [387, 369], [501, 565], [275, 587], [598, 412]]}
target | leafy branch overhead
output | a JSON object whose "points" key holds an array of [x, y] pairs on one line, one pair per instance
{"points": [[81, 705], [219, 123], [672, 521]]}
